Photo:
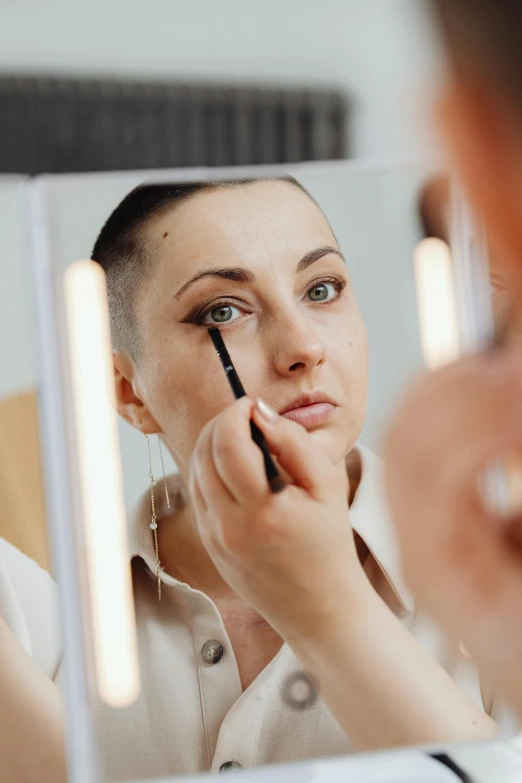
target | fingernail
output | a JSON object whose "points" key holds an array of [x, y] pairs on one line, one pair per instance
{"points": [[266, 411]]}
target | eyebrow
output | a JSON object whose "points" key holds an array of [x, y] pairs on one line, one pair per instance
{"points": [[239, 275]]}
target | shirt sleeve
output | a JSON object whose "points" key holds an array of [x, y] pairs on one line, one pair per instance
{"points": [[497, 708], [510, 725], [29, 606]]}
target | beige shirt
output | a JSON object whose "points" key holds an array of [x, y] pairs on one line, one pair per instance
{"points": [[192, 715]]}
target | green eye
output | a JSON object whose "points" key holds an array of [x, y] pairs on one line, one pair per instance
{"points": [[319, 293], [221, 314]]}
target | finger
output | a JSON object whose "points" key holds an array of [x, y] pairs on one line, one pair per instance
{"points": [[208, 524], [198, 501], [296, 452], [215, 493], [458, 420], [460, 398], [238, 460], [452, 425]]}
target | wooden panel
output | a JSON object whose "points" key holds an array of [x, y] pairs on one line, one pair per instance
{"points": [[22, 508]]}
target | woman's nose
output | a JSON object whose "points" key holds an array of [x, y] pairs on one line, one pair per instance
{"points": [[298, 347]]}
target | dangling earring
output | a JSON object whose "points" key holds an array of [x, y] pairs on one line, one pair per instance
{"points": [[153, 523], [163, 469]]}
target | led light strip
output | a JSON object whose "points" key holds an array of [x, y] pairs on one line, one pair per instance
{"points": [[436, 302], [110, 584]]}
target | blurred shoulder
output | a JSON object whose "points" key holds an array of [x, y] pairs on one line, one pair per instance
{"points": [[29, 606]]}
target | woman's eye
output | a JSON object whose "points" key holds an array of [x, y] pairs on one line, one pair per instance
{"points": [[322, 292], [221, 314]]}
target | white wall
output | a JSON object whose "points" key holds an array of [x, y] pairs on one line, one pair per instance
{"points": [[380, 51], [17, 373]]}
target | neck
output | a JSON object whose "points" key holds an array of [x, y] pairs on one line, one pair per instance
{"points": [[183, 555]]}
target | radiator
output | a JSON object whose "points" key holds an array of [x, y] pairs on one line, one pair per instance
{"points": [[53, 125]]}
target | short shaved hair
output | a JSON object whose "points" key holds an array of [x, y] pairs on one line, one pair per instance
{"points": [[126, 256]]}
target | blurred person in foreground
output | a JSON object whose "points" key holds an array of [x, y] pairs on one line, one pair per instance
{"points": [[463, 563]]}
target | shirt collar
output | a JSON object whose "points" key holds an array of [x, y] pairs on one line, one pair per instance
{"points": [[369, 517]]}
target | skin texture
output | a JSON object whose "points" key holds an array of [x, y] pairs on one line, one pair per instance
{"points": [[479, 555], [464, 564], [266, 228]]}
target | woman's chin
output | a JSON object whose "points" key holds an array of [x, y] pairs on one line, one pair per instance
{"points": [[330, 443]]}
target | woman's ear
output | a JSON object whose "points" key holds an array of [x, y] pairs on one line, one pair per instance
{"points": [[129, 405]]}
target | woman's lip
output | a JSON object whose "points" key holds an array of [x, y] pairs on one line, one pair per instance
{"points": [[310, 416], [304, 400]]}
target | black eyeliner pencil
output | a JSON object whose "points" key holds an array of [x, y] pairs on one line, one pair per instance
{"points": [[275, 481]]}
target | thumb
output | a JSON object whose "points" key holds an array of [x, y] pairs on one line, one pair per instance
{"points": [[298, 454]]}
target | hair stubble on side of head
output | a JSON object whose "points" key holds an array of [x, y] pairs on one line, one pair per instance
{"points": [[127, 256]]}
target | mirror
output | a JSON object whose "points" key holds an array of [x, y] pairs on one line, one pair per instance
{"points": [[325, 303], [21, 486]]}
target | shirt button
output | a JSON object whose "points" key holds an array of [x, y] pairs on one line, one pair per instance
{"points": [[299, 691], [212, 652], [230, 765]]}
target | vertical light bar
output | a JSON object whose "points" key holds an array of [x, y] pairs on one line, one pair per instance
{"points": [[436, 302], [110, 585]]}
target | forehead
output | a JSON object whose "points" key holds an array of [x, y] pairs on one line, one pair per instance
{"points": [[243, 225]]}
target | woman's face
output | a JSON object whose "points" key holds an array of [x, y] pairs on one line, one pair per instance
{"points": [[259, 261]]}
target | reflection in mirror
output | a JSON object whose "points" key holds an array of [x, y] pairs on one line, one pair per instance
{"points": [[270, 628], [22, 521]]}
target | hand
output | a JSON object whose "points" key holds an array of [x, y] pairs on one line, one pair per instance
{"points": [[291, 555], [461, 561]]}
